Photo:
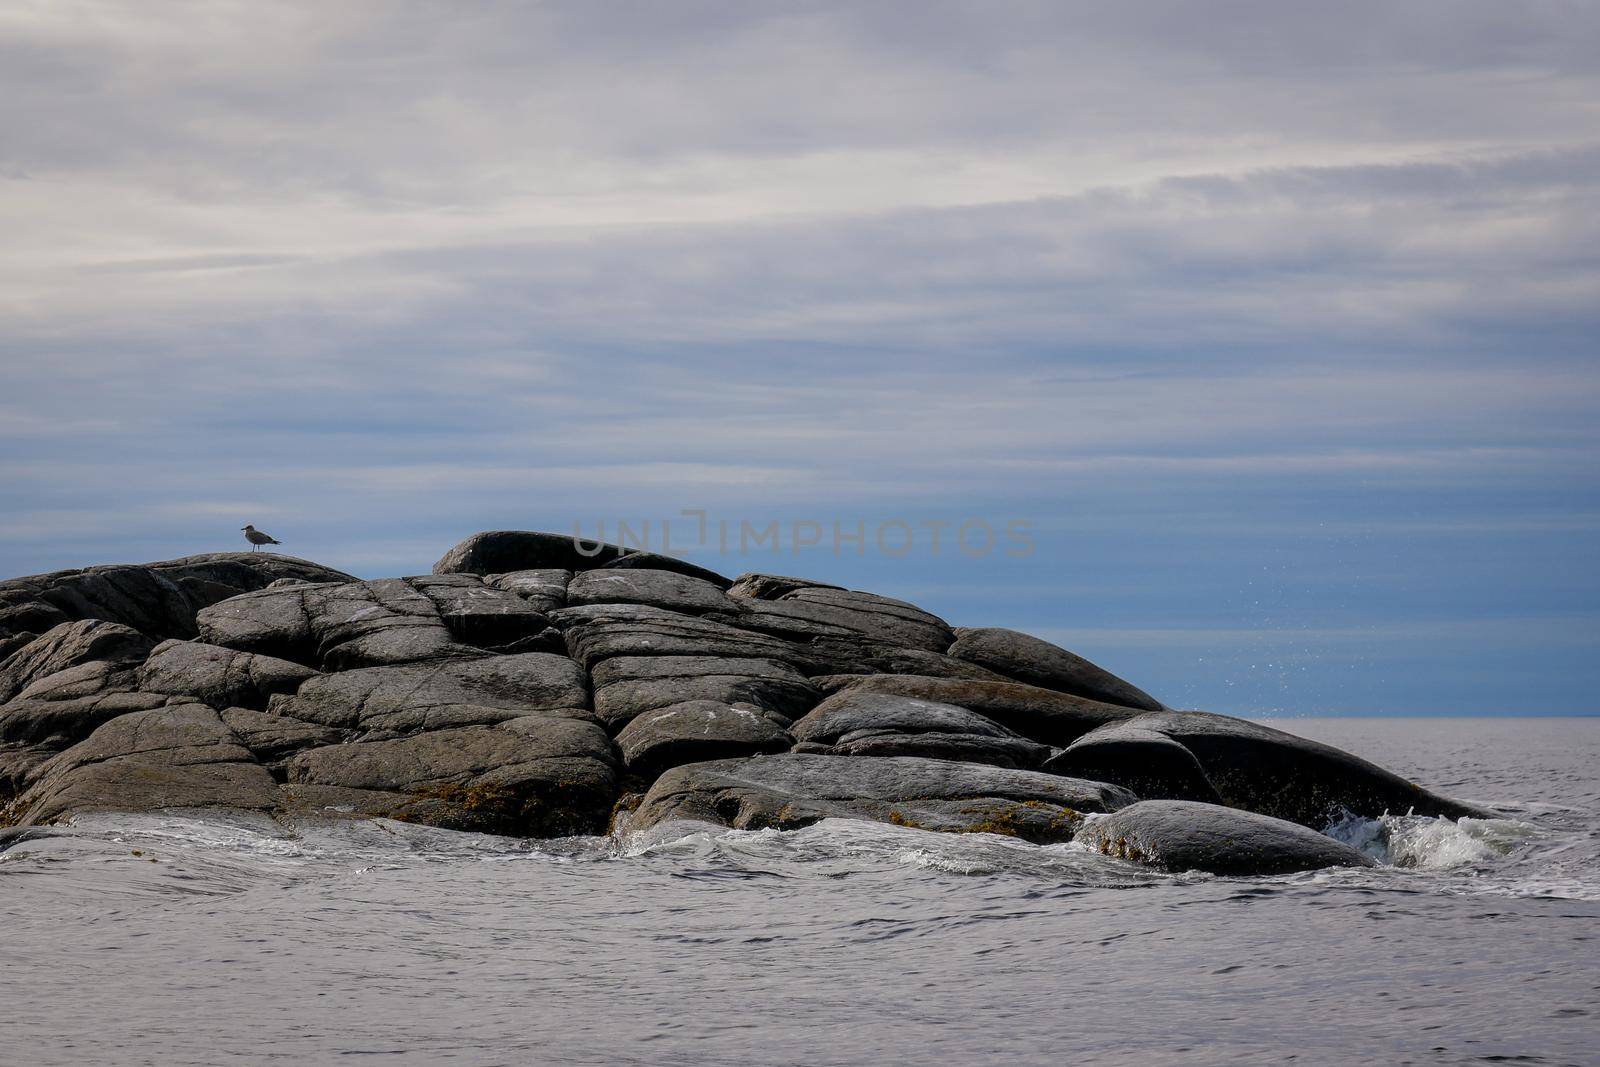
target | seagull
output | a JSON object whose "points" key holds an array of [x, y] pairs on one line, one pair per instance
{"points": [[257, 538]]}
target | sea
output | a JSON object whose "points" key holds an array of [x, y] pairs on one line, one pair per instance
{"points": [[179, 939]]}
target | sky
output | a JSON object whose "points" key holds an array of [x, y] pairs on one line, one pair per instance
{"points": [[1272, 326]]}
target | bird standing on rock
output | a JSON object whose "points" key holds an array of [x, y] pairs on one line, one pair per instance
{"points": [[257, 538]]}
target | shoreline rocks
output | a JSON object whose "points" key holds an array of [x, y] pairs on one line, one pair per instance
{"points": [[533, 687]]}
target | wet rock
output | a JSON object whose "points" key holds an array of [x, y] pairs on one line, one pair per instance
{"points": [[791, 790], [1179, 835], [628, 686], [1278, 774], [220, 677], [544, 590], [500, 551], [1036, 662], [878, 724], [528, 776], [172, 757], [662, 589], [1149, 763], [695, 731], [423, 696], [1042, 715], [71, 644]]}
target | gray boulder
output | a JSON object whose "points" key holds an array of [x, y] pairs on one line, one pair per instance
{"points": [[271, 622], [818, 611], [71, 644], [1275, 773], [695, 731], [479, 614], [534, 776], [1042, 715], [1036, 662], [657, 562], [878, 724], [628, 686], [1178, 835], [753, 586], [176, 757], [220, 677], [545, 590], [662, 589], [158, 599], [791, 790], [600, 631], [500, 551], [423, 696]]}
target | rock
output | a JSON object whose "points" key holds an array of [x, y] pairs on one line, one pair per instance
{"points": [[423, 696], [600, 631], [1180, 835], [1036, 662], [1288, 777], [540, 777], [54, 721], [656, 562], [220, 677], [272, 622], [791, 790], [158, 599], [1149, 763], [500, 551], [662, 589], [816, 611], [369, 624], [1042, 715], [752, 586], [175, 757], [544, 590], [66, 683], [70, 644], [480, 697], [695, 731], [272, 739], [628, 686], [878, 724], [478, 614]]}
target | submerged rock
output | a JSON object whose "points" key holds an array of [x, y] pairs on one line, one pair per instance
{"points": [[529, 681], [1178, 835]]}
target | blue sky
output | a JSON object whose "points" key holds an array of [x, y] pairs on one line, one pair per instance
{"points": [[1277, 322]]}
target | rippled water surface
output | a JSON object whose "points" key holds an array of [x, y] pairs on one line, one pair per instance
{"points": [[169, 940]]}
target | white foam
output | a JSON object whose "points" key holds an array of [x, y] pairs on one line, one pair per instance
{"points": [[1430, 844]]}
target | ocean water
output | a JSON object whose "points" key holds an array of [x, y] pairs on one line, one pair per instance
{"points": [[192, 940]]}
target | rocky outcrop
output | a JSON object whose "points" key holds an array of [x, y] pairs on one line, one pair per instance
{"points": [[536, 687]]}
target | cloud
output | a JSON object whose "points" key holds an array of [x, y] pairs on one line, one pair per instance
{"points": [[1190, 287]]}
